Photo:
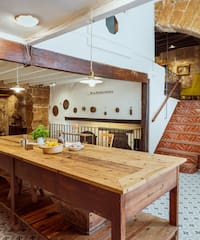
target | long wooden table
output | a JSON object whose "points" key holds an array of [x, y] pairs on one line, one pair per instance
{"points": [[111, 182]]}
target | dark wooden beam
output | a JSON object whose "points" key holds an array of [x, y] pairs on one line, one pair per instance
{"points": [[52, 60], [14, 52], [5, 92], [11, 51], [103, 120], [145, 118]]}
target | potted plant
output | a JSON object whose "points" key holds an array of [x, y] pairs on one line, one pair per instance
{"points": [[40, 133]]}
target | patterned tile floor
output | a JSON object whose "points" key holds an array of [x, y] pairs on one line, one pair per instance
{"points": [[189, 207], [189, 212]]}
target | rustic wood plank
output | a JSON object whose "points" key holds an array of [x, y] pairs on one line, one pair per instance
{"points": [[144, 227], [118, 170], [146, 194], [48, 59], [173, 206], [145, 118], [103, 177], [12, 51]]}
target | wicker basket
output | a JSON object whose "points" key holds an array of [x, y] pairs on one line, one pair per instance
{"points": [[52, 149]]}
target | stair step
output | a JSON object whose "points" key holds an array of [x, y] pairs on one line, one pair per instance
{"points": [[175, 152], [188, 168], [189, 103], [183, 127], [180, 141], [181, 123], [189, 112], [183, 133], [185, 119], [181, 136], [180, 146]]}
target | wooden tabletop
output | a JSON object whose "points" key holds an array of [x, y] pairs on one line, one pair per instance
{"points": [[115, 169]]}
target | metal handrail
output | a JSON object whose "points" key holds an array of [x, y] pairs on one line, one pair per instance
{"points": [[166, 99]]}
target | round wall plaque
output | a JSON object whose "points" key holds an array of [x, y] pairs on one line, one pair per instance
{"points": [[93, 109], [83, 108], [65, 104], [75, 110], [117, 109], [55, 110]]}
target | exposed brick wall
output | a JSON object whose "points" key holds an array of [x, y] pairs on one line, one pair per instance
{"points": [[178, 15]]}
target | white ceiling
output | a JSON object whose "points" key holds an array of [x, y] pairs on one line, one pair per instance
{"points": [[34, 75], [56, 16]]}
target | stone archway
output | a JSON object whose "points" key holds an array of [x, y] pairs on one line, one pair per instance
{"points": [[178, 16]]}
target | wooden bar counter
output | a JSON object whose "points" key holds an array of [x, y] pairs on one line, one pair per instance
{"points": [[113, 183]]}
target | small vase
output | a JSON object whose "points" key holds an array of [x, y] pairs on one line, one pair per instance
{"points": [[40, 140]]}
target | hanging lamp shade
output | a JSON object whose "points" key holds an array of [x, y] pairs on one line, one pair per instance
{"points": [[91, 80]]}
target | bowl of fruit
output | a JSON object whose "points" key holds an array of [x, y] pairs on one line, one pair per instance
{"points": [[51, 147]]}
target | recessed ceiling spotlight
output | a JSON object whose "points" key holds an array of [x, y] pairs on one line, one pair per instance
{"points": [[26, 20]]}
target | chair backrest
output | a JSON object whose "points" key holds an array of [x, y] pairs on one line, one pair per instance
{"points": [[107, 138]]}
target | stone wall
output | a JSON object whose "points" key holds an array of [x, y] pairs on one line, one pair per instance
{"points": [[180, 57], [178, 16], [3, 116], [40, 105], [27, 109]]}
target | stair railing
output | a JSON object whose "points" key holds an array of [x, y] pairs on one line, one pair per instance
{"points": [[166, 99]]}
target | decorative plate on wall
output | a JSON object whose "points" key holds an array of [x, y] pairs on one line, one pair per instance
{"points": [[75, 110], [92, 109], [65, 104], [55, 110], [117, 109]]}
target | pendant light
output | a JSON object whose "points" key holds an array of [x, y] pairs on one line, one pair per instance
{"points": [[17, 88], [91, 80]]}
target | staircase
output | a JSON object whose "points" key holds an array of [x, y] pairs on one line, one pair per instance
{"points": [[182, 135]]}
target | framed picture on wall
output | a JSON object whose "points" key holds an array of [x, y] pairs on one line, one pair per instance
{"points": [[183, 70]]}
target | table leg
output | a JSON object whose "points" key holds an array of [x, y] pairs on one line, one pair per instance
{"points": [[12, 188], [118, 228], [173, 208]]}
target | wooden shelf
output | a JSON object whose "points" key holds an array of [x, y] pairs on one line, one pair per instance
{"points": [[46, 218], [51, 225]]}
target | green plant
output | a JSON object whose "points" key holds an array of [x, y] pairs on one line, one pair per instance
{"points": [[40, 131]]}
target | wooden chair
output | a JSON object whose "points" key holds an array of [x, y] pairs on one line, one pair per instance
{"points": [[107, 138]]}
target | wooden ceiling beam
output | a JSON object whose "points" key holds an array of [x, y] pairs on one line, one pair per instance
{"points": [[11, 51]]}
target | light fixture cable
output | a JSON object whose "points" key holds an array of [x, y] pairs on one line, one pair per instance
{"points": [[17, 88], [91, 45], [91, 80]]}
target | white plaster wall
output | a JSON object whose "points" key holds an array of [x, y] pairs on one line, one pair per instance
{"points": [[105, 97], [156, 93], [132, 47]]}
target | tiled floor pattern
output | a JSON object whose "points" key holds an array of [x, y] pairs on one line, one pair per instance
{"points": [[189, 212], [6, 232], [189, 207]]}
